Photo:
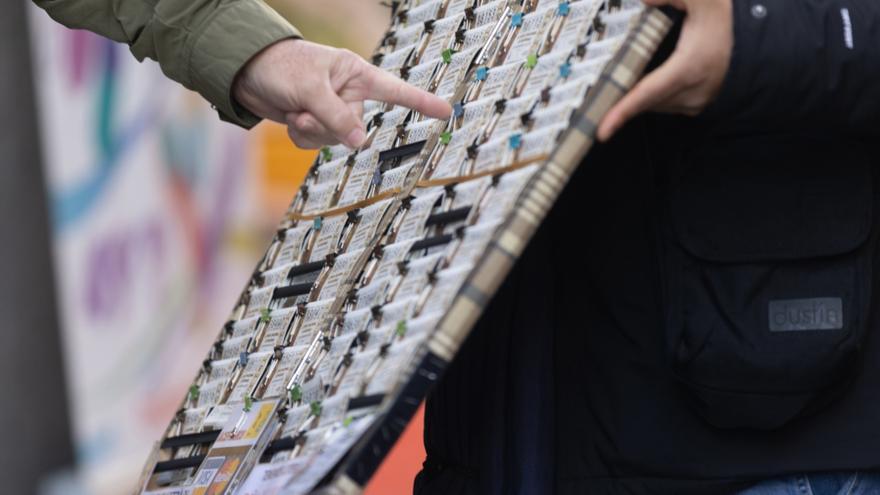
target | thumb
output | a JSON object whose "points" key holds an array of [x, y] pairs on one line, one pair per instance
{"points": [[647, 93], [336, 115]]}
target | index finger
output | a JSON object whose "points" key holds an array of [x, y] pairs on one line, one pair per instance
{"points": [[390, 89]]}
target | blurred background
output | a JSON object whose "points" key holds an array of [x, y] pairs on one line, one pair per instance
{"points": [[135, 217]]}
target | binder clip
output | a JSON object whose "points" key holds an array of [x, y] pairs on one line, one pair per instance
{"points": [[326, 154], [531, 61], [401, 328], [565, 70], [295, 394], [515, 141], [457, 110], [516, 20], [563, 9], [377, 177], [447, 55]]}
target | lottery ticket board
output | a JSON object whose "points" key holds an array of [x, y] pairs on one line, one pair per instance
{"points": [[389, 253]]}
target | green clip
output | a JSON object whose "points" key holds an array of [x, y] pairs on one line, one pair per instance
{"points": [[296, 393], [316, 408], [326, 154], [194, 392], [347, 421], [265, 315], [531, 61], [248, 403], [445, 137], [401, 328], [447, 55]]}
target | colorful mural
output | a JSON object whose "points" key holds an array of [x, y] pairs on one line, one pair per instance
{"points": [[160, 212]]}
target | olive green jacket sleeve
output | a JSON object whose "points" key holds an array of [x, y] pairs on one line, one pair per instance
{"points": [[202, 44]]}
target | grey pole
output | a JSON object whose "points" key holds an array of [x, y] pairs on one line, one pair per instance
{"points": [[35, 436]]}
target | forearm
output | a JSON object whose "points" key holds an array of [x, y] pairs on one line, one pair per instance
{"points": [[202, 44], [803, 64]]}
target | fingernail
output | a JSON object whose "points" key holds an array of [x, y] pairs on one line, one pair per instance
{"points": [[356, 138], [605, 132]]}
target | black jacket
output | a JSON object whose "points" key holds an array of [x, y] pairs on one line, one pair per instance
{"points": [[579, 378]]}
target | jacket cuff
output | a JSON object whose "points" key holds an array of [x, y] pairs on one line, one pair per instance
{"points": [[238, 31], [736, 80]]}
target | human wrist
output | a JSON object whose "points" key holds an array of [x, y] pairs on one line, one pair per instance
{"points": [[219, 53]]}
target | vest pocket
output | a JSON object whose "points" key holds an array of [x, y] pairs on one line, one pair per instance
{"points": [[767, 277]]}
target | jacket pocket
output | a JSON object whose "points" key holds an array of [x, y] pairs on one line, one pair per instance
{"points": [[768, 275]]}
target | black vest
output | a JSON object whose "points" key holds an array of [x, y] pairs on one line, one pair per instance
{"points": [[691, 318]]}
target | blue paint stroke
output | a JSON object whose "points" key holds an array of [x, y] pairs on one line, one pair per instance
{"points": [[71, 205]]}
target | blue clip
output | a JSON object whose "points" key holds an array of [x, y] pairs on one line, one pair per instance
{"points": [[565, 70], [243, 359], [377, 177], [516, 20], [515, 141], [564, 9], [318, 223], [482, 73], [457, 110]]}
